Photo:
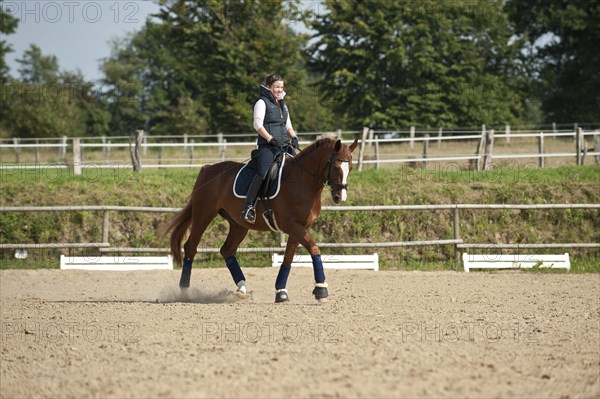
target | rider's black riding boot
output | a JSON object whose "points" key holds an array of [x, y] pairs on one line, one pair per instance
{"points": [[249, 213]]}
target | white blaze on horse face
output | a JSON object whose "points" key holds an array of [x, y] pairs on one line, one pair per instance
{"points": [[345, 173]]}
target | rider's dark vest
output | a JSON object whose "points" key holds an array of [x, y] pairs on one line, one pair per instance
{"points": [[275, 117]]}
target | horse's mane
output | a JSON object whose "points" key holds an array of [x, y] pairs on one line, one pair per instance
{"points": [[325, 142]]}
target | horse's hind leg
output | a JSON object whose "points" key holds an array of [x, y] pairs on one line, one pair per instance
{"points": [[236, 235], [190, 247]]}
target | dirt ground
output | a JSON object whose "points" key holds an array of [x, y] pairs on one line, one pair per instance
{"points": [[82, 334]]}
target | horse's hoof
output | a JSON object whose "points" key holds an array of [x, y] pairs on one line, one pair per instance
{"points": [[320, 292], [281, 296], [184, 282], [243, 297], [242, 289]]}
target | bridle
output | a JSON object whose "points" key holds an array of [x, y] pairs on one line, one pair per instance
{"points": [[334, 186]]}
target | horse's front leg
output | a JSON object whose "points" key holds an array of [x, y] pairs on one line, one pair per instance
{"points": [[281, 293], [320, 291]]}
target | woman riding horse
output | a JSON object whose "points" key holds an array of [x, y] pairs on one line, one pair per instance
{"points": [[274, 127], [296, 207]]}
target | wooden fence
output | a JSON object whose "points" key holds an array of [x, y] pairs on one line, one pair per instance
{"points": [[454, 213], [481, 157]]}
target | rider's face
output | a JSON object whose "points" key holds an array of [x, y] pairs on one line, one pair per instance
{"points": [[277, 89]]}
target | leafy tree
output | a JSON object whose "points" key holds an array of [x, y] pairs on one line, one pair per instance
{"points": [[38, 68], [8, 25], [168, 101], [390, 64], [197, 71], [47, 102], [41, 111], [564, 47], [87, 98], [225, 48], [123, 89], [145, 86], [186, 117]]}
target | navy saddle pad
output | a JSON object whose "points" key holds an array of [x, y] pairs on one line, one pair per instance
{"points": [[247, 173]]}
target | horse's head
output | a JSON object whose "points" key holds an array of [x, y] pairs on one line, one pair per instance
{"points": [[339, 167]]}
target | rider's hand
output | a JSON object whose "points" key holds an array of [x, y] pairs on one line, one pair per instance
{"points": [[274, 143], [295, 143]]}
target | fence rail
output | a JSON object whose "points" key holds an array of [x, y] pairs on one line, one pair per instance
{"points": [[456, 241], [374, 140]]}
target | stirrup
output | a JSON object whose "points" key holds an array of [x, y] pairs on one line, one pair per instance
{"points": [[249, 214]]}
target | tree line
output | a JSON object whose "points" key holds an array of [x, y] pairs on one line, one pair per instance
{"points": [[195, 68]]}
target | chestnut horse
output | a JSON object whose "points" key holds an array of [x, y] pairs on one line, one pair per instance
{"points": [[296, 207]]}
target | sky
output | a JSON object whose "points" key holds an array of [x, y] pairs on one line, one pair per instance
{"points": [[78, 33]]}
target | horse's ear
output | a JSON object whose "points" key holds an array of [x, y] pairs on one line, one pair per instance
{"points": [[353, 145], [338, 146]]}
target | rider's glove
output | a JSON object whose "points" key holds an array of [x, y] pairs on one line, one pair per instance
{"points": [[295, 143], [274, 143]]}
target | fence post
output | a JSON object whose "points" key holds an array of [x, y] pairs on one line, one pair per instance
{"points": [[439, 142], [223, 149], [37, 151], [185, 142], [104, 149], [377, 152], [554, 130], [338, 133], [361, 152], [597, 147], [425, 150], [282, 240], [191, 152], [136, 160], [479, 147], [76, 156], [456, 229], [62, 150], [489, 145], [16, 143], [578, 142], [145, 149], [371, 134], [507, 132], [105, 226], [412, 137], [81, 154], [107, 158], [541, 149], [221, 140]]}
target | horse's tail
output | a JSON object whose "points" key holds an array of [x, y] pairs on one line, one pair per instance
{"points": [[178, 226]]}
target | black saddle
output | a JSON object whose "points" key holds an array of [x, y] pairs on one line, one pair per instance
{"points": [[272, 183]]}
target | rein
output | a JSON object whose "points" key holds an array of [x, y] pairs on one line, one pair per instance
{"points": [[329, 165]]}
